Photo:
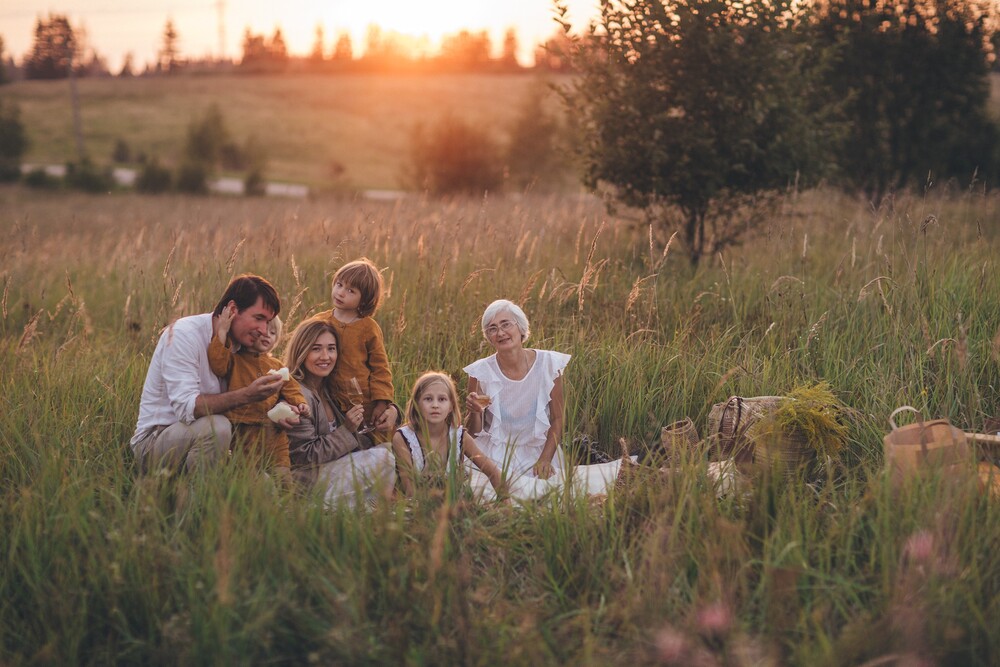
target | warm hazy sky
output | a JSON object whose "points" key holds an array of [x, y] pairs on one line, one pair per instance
{"points": [[116, 27]]}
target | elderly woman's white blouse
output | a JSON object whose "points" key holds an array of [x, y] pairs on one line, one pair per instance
{"points": [[516, 422]]}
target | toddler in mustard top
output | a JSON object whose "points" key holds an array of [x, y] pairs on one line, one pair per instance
{"points": [[261, 439], [362, 363]]}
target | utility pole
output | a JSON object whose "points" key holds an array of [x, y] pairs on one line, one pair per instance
{"points": [[75, 101]]}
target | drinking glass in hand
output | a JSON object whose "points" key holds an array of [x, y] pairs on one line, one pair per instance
{"points": [[357, 397]]}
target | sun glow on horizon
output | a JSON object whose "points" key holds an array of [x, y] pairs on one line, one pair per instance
{"points": [[118, 27], [432, 19]]}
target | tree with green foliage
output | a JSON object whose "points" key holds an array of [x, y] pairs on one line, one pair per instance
{"points": [[343, 50], [153, 178], [255, 179], [4, 78], [318, 53], [914, 76], [167, 55], [52, 52], [206, 137], [465, 51], [454, 157], [203, 149], [13, 141], [261, 54], [537, 156], [696, 107]]}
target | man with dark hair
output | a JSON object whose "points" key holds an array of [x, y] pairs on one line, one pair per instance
{"points": [[180, 423], [245, 290]]}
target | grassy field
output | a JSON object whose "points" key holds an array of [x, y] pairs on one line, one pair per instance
{"points": [[305, 123], [895, 305]]}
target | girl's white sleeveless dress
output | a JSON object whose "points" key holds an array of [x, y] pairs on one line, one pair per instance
{"points": [[417, 452]]}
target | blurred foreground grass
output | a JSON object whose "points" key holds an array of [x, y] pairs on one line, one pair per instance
{"points": [[891, 306]]}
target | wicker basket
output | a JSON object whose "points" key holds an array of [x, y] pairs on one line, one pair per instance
{"points": [[785, 452], [628, 471], [989, 479], [923, 445], [678, 438], [730, 425]]}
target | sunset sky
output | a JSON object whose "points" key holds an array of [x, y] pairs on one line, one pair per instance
{"points": [[115, 27]]}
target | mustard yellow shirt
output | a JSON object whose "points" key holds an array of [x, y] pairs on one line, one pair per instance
{"points": [[362, 355], [240, 369]]}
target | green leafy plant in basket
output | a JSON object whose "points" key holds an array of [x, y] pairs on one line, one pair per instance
{"points": [[806, 426]]}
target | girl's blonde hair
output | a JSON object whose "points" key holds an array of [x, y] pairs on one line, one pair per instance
{"points": [[302, 340], [419, 387], [275, 326], [364, 276]]}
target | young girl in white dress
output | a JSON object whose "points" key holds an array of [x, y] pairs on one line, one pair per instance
{"points": [[433, 437]]}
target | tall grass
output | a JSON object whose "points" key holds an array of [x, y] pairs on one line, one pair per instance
{"points": [[891, 305]]}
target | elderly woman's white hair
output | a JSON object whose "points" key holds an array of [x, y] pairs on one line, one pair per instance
{"points": [[503, 305]]}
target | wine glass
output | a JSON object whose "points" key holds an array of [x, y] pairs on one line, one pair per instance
{"points": [[357, 397]]}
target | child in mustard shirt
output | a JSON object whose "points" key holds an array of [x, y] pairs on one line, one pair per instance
{"points": [[362, 362], [261, 439]]}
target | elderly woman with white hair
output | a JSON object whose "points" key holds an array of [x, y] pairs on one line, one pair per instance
{"points": [[515, 407]]}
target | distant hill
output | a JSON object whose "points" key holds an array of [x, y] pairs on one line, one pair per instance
{"points": [[311, 126]]}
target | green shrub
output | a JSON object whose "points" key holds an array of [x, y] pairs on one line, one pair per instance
{"points": [[121, 153], [254, 184], [255, 162], [192, 178], [86, 176], [537, 156], [153, 178], [233, 156], [454, 157], [40, 179], [13, 142]]}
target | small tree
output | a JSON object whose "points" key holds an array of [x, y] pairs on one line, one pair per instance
{"points": [[153, 178], [128, 66], [168, 49], [206, 137], [343, 50], [254, 182], [536, 156], [53, 50], [121, 153], [508, 54], [453, 157], [4, 77], [695, 106], [915, 79], [192, 178], [13, 141], [318, 53]]}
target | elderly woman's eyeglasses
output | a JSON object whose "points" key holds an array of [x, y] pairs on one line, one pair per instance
{"points": [[506, 326]]}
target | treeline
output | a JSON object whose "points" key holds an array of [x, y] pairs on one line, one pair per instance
{"points": [[58, 50]]}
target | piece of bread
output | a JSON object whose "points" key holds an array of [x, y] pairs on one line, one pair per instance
{"points": [[280, 411]]}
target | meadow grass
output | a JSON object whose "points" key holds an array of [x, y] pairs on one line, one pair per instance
{"points": [[304, 123], [891, 305]]}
